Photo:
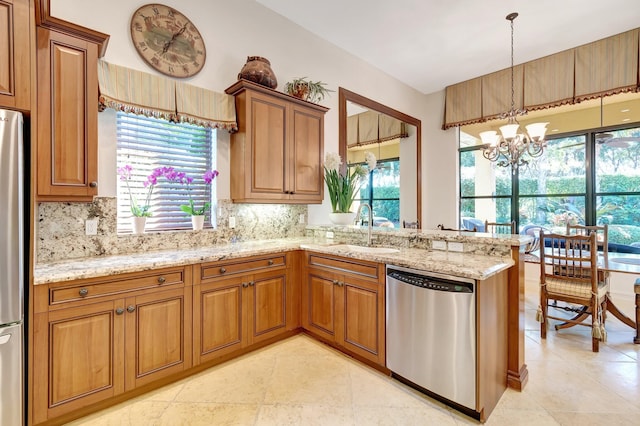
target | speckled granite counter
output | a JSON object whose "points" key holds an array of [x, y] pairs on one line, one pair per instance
{"points": [[461, 264]]}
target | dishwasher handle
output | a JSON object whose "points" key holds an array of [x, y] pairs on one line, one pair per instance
{"points": [[430, 283]]}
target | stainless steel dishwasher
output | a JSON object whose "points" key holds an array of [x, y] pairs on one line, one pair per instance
{"points": [[431, 333]]}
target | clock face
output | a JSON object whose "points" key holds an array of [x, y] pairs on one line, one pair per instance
{"points": [[167, 40]]}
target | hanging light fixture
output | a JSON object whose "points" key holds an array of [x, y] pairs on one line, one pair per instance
{"points": [[511, 148]]}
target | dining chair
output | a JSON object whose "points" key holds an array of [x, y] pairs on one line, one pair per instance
{"points": [[569, 273], [411, 225], [500, 228]]}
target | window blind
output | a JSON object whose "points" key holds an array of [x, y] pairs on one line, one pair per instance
{"points": [[146, 143]]}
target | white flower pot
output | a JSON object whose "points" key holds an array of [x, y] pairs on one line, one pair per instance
{"points": [[138, 224], [342, 218], [197, 222]]}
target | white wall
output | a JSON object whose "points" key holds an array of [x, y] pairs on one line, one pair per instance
{"points": [[235, 29]]}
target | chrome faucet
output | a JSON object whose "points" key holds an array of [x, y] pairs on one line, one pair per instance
{"points": [[369, 222]]}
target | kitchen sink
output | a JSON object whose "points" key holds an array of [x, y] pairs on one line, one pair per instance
{"points": [[365, 249]]}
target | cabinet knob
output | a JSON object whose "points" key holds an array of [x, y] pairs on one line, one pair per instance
{"points": [[131, 308], [119, 311], [335, 282], [341, 284], [270, 262], [252, 283], [93, 184], [83, 292], [245, 285], [161, 279], [223, 270]]}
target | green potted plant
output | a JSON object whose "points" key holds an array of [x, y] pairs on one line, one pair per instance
{"points": [[308, 90]]}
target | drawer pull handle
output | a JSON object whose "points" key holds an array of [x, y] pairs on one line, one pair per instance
{"points": [[161, 280], [119, 311], [93, 184], [131, 308], [270, 262], [245, 285], [83, 292], [223, 270]]}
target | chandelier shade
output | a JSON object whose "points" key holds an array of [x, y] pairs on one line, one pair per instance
{"points": [[513, 148]]}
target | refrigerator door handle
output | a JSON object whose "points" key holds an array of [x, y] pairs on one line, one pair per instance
{"points": [[4, 339]]}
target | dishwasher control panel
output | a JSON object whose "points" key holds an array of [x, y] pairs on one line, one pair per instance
{"points": [[428, 282]]}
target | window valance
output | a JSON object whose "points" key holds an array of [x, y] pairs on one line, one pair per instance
{"points": [[129, 90], [373, 127], [605, 67]]}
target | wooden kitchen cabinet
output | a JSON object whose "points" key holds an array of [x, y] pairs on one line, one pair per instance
{"points": [[97, 338], [343, 303], [67, 121], [240, 303], [15, 54], [277, 153]]}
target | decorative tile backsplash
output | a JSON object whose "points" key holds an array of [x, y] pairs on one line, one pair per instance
{"points": [[60, 230]]}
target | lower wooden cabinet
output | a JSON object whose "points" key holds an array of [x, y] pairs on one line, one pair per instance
{"points": [[246, 308], [88, 352], [343, 303]]}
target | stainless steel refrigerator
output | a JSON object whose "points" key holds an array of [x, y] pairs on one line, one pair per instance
{"points": [[11, 269]]}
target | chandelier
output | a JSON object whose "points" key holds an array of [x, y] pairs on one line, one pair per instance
{"points": [[512, 147]]}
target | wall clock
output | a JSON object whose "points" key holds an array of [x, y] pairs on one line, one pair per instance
{"points": [[167, 40]]}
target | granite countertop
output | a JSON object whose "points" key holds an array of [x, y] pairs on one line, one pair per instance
{"points": [[460, 264]]}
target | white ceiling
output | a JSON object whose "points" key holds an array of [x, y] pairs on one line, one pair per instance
{"points": [[430, 44]]}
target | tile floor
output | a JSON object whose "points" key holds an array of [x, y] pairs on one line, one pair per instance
{"points": [[300, 381]]}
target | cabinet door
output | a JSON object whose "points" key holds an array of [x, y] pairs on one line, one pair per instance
{"points": [[320, 303], [305, 150], [267, 137], [267, 305], [67, 135], [15, 61], [218, 318], [80, 357], [158, 336], [363, 313]]}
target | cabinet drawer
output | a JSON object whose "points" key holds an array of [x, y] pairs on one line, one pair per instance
{"points": [[218, 269], [349, 266], [104, 287]]}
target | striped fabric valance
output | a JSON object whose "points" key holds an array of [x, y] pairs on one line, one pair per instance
{"points": [[601, 68], [373, 127], [125, 89], [129, 90], [205, 108]]}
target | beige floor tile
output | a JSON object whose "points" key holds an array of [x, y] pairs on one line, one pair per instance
{"points": [[513, 417], [132, 413], [596, 419], [207, 414], [403, 416], [310, 380]]}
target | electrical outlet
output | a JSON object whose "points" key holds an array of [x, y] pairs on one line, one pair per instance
{"points": [[329, 234], [301, 218], [439, 245], [456, 246], [91, 226], [232, 222]]}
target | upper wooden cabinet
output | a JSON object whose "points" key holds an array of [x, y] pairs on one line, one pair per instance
{"points": [[67, 135], [276, 155], [15, 54]]}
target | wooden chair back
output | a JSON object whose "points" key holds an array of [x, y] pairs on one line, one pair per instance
{"points": [[500, 228], [411, 225], [602, 235]]}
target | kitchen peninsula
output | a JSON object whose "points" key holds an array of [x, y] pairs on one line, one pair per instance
{"points": [[149, 315]]}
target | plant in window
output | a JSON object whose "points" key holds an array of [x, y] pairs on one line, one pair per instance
{"points": [[191, 208], [342, 184], [140, 209]]}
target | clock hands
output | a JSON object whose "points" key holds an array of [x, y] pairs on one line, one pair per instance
{"points": [[168, 44]]}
